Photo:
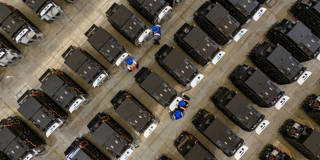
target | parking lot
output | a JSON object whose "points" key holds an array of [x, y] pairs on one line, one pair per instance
{"points": [[70, 29]]}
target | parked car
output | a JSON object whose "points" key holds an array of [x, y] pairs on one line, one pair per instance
{"points": [[111, 136], [198, 45], [156, 12], [87, 67], [214, 19], [39, 109], [218, 133], [304, 138], [18, 140], [130, 26], [134, 113], [108, 46], [311, 105], [17, 26], [271, 152], [238, 108], [47, 10], [276, 62], [308, 12], [257, 86], [8, 52], [243, 10], [296, 38], [156, 87], [63, 90], [82, 149], [178, 66], [191, 148]]}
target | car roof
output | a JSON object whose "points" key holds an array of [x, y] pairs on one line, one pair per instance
{"points": [[302, 35], [121, 15], [152, 6], [221, 18], [285, 63], [312, 143], [245, 6], [109, 138], [5, 11], [11, 145], [222, 136], [198, 152], [133, 113], [201, 42], [263, 86]]}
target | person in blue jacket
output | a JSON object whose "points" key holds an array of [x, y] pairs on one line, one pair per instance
{"points": [[156, 32]]}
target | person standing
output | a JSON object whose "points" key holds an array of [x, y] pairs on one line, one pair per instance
{"points": [[156, 32]]}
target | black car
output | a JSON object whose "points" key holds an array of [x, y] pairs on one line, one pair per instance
{"points": [[47, 10], [241, 10], [304, 138], [217, 132], [238, 108], [155, 11], [191, 149], [130, 26], [111, 136], [308, 12], [256, 86], [8, 52], [311, 105], [85, 66], [178, 66], [276, 62], [296, 38], [134, 113], [18, 140], [198, 44], [17, 26], [271, 152], [82, 149], [217, 22], [103, 42], [155, 86], [63, 90], [44, 113]]}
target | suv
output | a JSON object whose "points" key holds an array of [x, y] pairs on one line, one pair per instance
{"points": [[178, 66], [63, 90], [311, 105], [271, 152], [47, 10], [218, 23], [103, 42], [238, 108], [18, 140], [198, 45], [134, 113], [296, 38], [85, 66], [157, 87], [218, 133], [276, 62], [82, 149], [191, 149], [17, 26], [308, 12], [243, 10], [111, 136], [130, 26], [257, 86], [304, 138], [156, 12], [8, 52], [38, 108]]}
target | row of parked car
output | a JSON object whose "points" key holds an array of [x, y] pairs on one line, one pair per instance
{"points": [[279, 60]]}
